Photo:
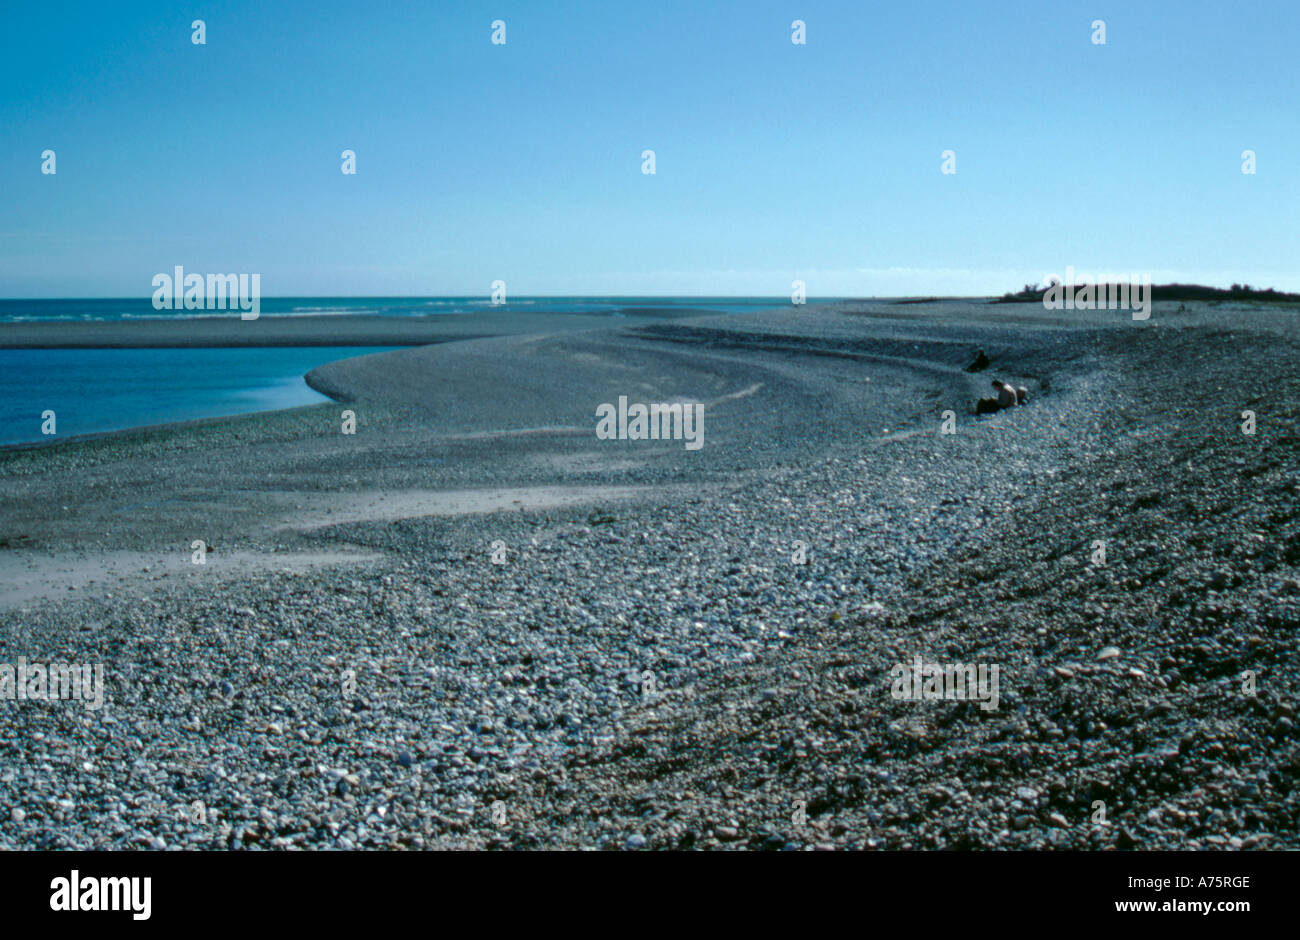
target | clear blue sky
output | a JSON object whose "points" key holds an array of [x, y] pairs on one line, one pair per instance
{"points": [[523, 162]]}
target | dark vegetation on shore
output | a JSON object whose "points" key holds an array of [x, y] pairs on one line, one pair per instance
{"points": [[1182, 292]]}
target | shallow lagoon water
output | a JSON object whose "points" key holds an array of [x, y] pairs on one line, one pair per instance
{"points": [[91, 390]]}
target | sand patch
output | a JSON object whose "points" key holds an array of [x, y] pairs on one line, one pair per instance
{"points": [[551, 431], [588, 463], [743, 393], [30, 577], [342, 509]]}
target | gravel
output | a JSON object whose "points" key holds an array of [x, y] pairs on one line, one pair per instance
{"points": [[660, 673]]}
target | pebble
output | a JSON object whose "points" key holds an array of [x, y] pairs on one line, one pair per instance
{"points": [[511, 682]]}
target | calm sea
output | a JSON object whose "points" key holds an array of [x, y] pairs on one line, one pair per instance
{"points": [[91, 390], [142, 308]]}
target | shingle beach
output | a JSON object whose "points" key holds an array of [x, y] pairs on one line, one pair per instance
{"points": [[473, 623]]}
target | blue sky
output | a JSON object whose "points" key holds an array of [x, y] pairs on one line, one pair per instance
{"points": [[523, 162]]}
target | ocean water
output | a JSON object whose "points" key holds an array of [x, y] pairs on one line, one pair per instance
{"points": [[92, 390], [142, 307]]}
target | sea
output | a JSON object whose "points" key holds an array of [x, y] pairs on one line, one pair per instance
{"points": [[96, 390]]}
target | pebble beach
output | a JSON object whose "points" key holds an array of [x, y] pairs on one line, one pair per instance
{"points": [[472, 624]]}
